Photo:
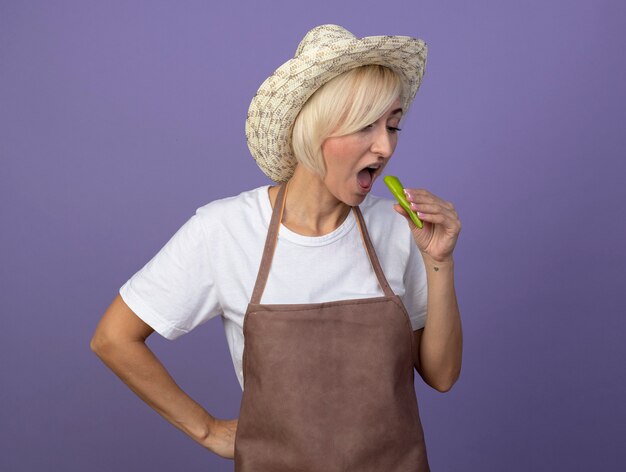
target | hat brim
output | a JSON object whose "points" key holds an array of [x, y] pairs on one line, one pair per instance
{"points": [[280, 98]]}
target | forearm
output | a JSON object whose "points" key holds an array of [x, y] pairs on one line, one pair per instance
{"points": [[136, 365], [441, 345]]}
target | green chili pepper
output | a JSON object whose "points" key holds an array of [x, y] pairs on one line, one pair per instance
{"points": [[398, 191]]}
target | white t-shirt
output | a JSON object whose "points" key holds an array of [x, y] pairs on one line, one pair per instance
{"points": [[209, 267]]}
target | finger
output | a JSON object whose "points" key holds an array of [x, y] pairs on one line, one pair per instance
{"points": [[452, 224], [424, 196], [434, 218], [450, 218], [403, 212], [433, 201], [434, 209], [400, 210], [429, 207]]}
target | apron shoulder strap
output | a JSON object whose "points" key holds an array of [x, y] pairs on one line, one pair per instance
{"points": [[369, 247], [270, 246]]}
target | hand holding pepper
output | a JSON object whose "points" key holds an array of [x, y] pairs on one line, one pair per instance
{"points": [[441, 225]]}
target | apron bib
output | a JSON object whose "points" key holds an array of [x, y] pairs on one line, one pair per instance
{"points": [[328, 386]]}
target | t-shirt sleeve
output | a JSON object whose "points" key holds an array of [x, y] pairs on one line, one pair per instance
{"points": [[416, 295], [175, 291]]}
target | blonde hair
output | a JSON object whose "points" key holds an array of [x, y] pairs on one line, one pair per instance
{"points": [[343, 105]]}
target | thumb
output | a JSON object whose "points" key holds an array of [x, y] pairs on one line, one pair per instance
{"points": [[406, 215], [401, 210]]}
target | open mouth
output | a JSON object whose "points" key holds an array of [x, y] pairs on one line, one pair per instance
{"points": [[366, 176]]}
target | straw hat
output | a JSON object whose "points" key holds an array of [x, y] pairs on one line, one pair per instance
{"points": [[325, 52]]}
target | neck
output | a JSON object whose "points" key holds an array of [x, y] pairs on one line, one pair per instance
{"points": [[310, 208]]}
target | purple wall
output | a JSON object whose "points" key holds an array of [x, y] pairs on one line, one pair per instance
{"points": [[119, 119]]}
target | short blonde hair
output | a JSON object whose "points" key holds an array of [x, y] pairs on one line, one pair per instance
{"points": [[343, 105]]}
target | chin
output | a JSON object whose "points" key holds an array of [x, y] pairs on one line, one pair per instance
{"points": [[357, 199]]}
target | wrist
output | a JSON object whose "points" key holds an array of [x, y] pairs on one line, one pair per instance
{"points": [[440, 262], [203, 431]]}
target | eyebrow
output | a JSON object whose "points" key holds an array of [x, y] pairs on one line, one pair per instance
{"points": [[396, 111]]}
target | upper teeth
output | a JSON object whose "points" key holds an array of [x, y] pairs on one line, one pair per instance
{"points": [[373, 167]]}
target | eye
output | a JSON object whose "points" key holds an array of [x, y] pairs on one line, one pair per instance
{"points": [[393, 129]]}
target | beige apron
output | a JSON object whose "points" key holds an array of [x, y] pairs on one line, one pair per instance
{"points": [[328, 386]]}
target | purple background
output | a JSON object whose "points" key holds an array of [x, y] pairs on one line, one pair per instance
{"points": [[119, 119]]}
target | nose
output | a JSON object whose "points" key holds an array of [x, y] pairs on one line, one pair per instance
{"points": [[384, 142]]}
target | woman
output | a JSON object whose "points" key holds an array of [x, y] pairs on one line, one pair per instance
{"points": [[329, 356]]}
